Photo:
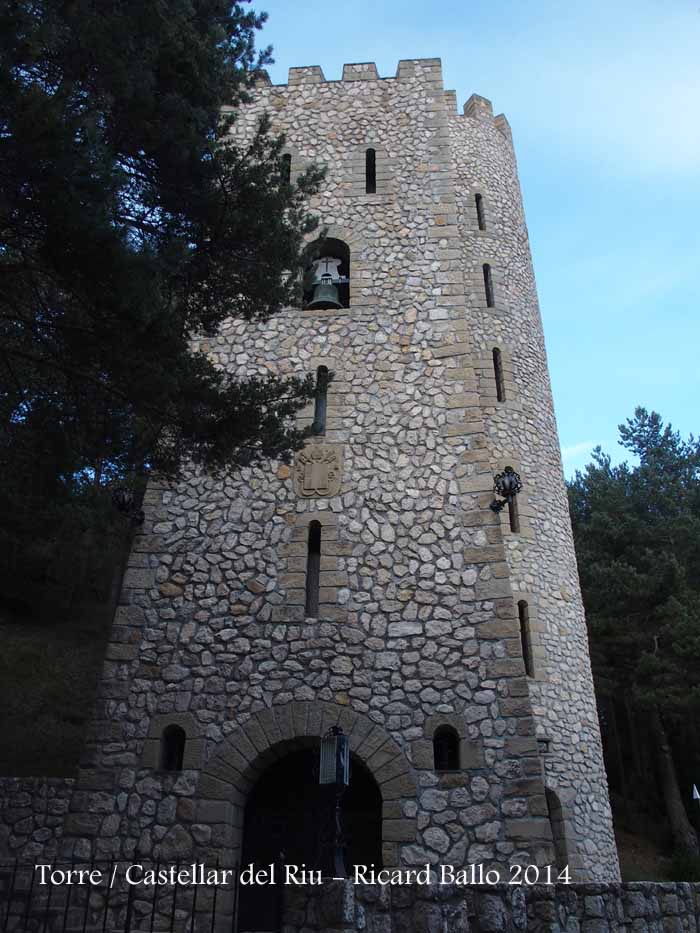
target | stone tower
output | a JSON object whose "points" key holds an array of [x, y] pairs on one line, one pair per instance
{"points": [[447, 640]]}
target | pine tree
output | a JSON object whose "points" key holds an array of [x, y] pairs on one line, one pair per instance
{"points": [[637, 535], [129, 223]]}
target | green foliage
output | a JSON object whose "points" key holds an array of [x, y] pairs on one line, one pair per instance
{"points": [[48, 680], [684, 866], [637, 535], [130, 222], [132, 225]]}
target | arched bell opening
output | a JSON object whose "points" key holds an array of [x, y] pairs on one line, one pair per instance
{"points": [[289, 820], [327, 275]]}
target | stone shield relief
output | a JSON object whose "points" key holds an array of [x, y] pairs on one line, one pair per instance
{"points": [[318, 471]]}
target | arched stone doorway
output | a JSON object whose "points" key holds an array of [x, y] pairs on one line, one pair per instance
{"points": [[268, 736], [289, 821]]}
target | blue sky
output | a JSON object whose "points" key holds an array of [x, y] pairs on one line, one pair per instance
{"points": [[604, 100]]}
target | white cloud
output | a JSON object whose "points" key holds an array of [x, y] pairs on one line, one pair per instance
{"points": [[574, 455]]}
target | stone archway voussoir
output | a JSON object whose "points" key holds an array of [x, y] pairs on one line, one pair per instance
{"points": [[232, 757], [243, 745], [256, 736], [300, 717], [267, 722], [270, 734], [392, 769], [330, 717], [383, 755], [370, 743], [213, 789], [399, 787], [347, 721], [285, 721]]}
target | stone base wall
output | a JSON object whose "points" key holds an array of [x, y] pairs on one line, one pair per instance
{"points": [[32, 810], [577, 908]]}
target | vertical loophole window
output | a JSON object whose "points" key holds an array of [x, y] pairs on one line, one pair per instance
{"points": [[488, 285], [525, 640], [446, 749], [172, 748], [480, 211], [370, 171], [498, 373], [286, 167], [556, 820], [513, 516], [313, 570], [321, 403]]}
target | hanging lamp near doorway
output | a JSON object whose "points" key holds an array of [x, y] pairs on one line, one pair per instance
{"points": [[334, 770]]}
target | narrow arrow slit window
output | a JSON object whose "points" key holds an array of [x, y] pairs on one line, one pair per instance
{"points": [[313, 570], [371, 171], [488, 285], [513, 516], [321, 403], [498, 373], [287, 168], [525, 641], [480, 211]]}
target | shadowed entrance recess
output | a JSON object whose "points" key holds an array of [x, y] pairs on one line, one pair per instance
{"points": [[271, 735], [289, 820]]}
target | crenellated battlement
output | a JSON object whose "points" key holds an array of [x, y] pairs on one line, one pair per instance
{"points": [[363, 71], [407, 69], [426, 71], [481, 108]]}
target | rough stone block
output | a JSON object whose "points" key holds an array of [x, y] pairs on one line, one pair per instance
{"points": [[401, 830]]}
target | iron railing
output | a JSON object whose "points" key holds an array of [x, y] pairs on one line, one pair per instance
{"points": [[115, 896]]}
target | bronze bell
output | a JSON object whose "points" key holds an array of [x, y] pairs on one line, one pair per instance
{"points": [[325, 295]]}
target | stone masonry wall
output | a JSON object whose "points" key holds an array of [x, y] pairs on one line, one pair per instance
{"points": [[417, 625], [32, 812], [580, 908], [522, 432]]}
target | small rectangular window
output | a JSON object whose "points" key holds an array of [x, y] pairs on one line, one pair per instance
{"points": [[488, 285], [321, 402], [172, 748], [446, 749], [525, 642], [480, 211], [313, 570], [286, 168], [513, 516], [371, 171], [498, 373]]}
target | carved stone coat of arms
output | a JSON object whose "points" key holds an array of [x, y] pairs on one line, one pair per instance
{"points": [[317, 471]]}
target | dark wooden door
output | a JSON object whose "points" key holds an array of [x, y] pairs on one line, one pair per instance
{"points": [[289, 821]]}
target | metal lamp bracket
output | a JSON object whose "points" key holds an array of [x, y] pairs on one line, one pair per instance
{"points": [[508, 485]]}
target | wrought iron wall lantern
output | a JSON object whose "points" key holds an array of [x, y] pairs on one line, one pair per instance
{"points": [[334, 772], [508, 485]]}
